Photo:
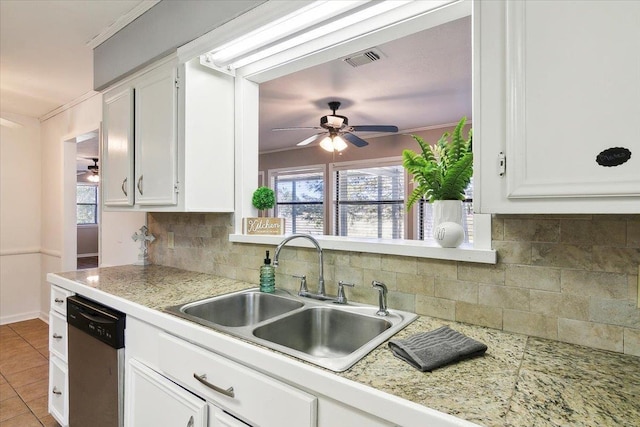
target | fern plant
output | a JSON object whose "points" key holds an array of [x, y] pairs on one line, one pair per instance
{"points": [[443, 170]]}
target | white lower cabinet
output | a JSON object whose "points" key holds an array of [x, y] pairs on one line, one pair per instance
{"points": [[58, 401], [170, 382], [58, 385], [250, 395], [153, 400]]}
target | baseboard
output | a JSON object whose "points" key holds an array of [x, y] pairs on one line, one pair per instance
{"points": [[87, 255], [44, 316], [5, 320]]}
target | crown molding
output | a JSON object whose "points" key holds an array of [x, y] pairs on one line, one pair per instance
{"points": [[121, 22]]}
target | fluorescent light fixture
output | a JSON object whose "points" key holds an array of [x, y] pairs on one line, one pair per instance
{"points": [[304, 17], [333, 25]]}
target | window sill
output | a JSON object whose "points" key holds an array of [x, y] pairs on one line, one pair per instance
{"points": [[413, 248]]}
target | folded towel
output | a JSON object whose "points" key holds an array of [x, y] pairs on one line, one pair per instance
{"points": [[430, 350]]}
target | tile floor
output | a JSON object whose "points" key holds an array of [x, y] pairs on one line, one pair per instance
{"points": [[24, 374]]}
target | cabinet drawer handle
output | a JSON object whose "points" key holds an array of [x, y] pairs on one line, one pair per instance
{"points": [[124, 190], [190, 423], [203, 379], [140, 184], [56, 391], [56, 336], [58, 300]]}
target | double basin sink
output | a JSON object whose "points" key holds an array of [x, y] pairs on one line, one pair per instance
{"points": [[330, 335]]}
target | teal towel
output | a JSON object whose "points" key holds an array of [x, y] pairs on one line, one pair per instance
{"points": [[430, 350]]}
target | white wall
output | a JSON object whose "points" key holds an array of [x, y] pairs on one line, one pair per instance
{"points": [[58, 196], [20, 218]]}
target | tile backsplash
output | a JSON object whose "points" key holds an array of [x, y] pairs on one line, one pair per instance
{"points": [[571, 278]]}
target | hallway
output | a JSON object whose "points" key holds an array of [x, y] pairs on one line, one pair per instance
{"points": [[24, 374]]}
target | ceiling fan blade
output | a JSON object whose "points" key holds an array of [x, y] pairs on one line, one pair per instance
{"points": [[309, 140], [355, 140], [374, 128], [297, 128]]}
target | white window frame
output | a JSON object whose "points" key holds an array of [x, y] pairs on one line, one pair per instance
{"points": [[407, 19], [97, 188], [361, 164], [311, 168]]}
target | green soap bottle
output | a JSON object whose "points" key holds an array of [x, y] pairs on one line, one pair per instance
{"points": [[267, 276]]}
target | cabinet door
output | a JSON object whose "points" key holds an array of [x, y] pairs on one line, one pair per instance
{"points": [[156, 145], [152, 400], [219, 418], [117, 158], [58, 385], [58, 335], [559, 88]]}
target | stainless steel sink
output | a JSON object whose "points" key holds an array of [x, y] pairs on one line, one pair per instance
{"points": [[334, 336], [323, 331], [240, 309]]}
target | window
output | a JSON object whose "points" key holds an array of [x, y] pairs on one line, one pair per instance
{"points": [[300, 198], [425, 215], [369, 200], [87, 204]]}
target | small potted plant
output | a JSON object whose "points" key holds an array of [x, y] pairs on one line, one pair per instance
{"points": [[441, 173], [263, 198]]}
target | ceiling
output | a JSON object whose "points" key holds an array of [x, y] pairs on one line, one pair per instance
{"points": [[420, 81], [45, 59]]}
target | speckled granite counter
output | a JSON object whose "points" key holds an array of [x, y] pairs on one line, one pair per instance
{"points": [[521, 381]]}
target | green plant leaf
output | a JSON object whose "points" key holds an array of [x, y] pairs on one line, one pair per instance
{"points": [[457, 178], [443, 170], [263, 198]]}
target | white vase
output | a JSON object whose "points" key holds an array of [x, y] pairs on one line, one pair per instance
{"points": [[447, 223]]}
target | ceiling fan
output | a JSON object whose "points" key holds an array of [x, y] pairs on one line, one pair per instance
{"points": [[92, 170], [336, 127]]}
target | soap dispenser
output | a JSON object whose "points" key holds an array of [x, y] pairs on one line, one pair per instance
{"points": [[267, 276]]}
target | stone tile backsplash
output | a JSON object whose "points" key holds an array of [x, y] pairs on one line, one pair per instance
{"points": [[571, 278]]}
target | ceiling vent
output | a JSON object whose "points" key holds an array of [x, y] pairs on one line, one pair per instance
{"points": [[363, 58]]}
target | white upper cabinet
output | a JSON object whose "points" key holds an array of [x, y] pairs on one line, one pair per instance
{"points": [[559, 84], [169, 140], [117, 159], [156, 137]]}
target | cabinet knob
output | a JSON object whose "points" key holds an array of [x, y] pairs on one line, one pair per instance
{"points": [[124, 188], [56, 391], [56, 336], [58, 300], [191, 421]]}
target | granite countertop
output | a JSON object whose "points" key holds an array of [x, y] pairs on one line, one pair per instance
{"points": [[520, 381]]}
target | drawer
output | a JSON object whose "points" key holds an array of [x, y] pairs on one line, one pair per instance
{"points": [[59, 299], [58, 386], [58, 335], [255, 397]]}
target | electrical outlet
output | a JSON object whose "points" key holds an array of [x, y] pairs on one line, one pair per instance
{"points": [[170, 240]]}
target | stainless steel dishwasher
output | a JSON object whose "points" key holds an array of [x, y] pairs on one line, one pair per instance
{"points": [[96, 364]]}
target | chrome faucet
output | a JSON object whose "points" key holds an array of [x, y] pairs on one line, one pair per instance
{"points": [[321, 291], [382, 297]]}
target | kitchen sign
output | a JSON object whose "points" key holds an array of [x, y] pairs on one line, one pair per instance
{"points": [[263, 226]]}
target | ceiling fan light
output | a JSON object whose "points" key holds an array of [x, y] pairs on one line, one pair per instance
{"points": [[335, 121], [339, 144], [327, 144], [93, 178]]}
